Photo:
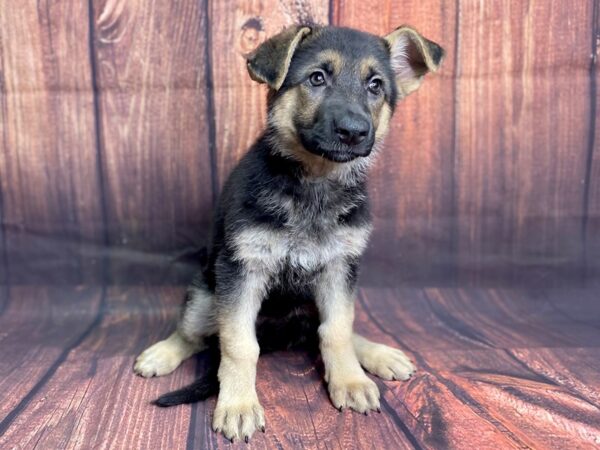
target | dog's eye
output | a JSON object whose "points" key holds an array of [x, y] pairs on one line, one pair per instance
{"points": [[375, 86], [317, 78]]}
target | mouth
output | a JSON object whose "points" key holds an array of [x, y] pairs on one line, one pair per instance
{"points": [[340, 153], [339, 156], [336, 151]]}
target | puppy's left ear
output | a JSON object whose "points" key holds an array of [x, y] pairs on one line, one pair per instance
{"points": [[412, 57], [270, 62]]}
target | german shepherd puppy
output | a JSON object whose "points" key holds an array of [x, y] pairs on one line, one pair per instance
{"points": [[292, 223]]}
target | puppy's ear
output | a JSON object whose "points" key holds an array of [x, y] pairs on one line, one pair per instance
{"points": [[412, 56], [270, 62]]}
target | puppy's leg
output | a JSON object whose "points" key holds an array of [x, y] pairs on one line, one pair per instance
{"points": [[196, 322], [348, 384], [386, 362], [238, 412]]}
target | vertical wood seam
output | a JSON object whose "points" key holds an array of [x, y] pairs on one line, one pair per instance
{"points": [[4, 241], [212, 151], [99, 146], [210, 103], [591, 140], [454, 210], [330, 12], [400, 425], [3, 238], [5, 297]]}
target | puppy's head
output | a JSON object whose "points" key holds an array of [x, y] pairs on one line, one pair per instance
{"points": [[333, 90]]}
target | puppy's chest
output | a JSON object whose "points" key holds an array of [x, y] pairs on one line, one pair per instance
{"points": [[311, 237]]}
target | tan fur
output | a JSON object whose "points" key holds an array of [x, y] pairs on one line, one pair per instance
{"points": [[382, 122], [297, 103], [165, 356], [281, 114], [348, 385], [379, 359], [197, 322], [404, 42], [302, 32], [263, 252], [238, 413], [290, 38], [366, 66], [287, 142], [330, 57], [198, 319]]}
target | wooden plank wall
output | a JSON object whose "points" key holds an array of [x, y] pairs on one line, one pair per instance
{"points": [[592, 201], [120, 120], [52, 217], [523, 122], [151, 83]]}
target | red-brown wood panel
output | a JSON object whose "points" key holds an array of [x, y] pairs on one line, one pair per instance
{"points": [[592, 241], [492, 365], [412, 183], [94, 389], [237, 28], [495, 369], [51, 205], [3, 250], [45, 325], [151, 64], [523, 121]]}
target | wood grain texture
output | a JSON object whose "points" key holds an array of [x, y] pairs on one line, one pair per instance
{"points": [[3, 249], [150, 59], [40, 326], [120, 128], [51, 212], [412, 183], [237, 28], [488, 379], [592, 224], [523, 124], [496, 369], [94, 391]]}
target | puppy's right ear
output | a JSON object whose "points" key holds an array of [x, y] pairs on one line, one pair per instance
{"points": [[270, 62]]}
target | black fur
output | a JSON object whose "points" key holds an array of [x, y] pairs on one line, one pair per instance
{"points": [[288, 317], [247, 200], [204, 387], [267, 178]]}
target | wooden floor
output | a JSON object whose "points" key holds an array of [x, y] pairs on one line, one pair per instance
{"points": [[497, 369]]}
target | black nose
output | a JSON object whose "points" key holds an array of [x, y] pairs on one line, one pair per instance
{"points": [[352, 130]]}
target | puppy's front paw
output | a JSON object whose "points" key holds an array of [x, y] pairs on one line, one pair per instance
{"points": [[359, 393], [238, 419], [387, 362]]}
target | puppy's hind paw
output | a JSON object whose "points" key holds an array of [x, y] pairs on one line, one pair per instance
{"points": [[163, 357], [386, 362]]}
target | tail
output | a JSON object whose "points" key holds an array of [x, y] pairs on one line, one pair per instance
{"points": [[204, 387]]}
